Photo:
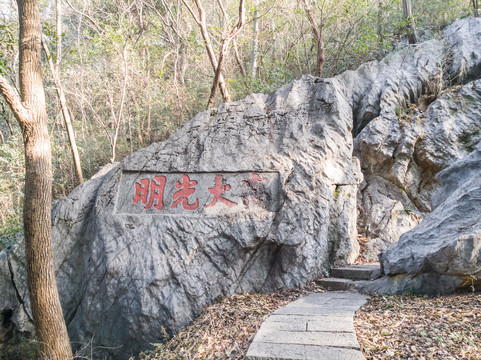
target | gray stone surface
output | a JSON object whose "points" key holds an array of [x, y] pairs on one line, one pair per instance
{"points": [[445, 249], [267, 351], [310, 322], [310, 337], [333, 283], [405, 138], [14, 302], [357, 272], [287, 335]]}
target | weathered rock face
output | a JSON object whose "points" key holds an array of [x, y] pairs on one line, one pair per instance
{"points": [[400, 158], [451, 236], [407, 161], [257, 195], [444, 252], [410, 138]]}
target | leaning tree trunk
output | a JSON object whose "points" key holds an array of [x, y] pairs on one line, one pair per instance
{"points": [[317, 31], [65, 112], [223, 51], [55, 70], [201, 22], [30, 111]]}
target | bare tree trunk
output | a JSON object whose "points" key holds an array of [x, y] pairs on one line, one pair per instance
{"points": [[223, 50], [320, 53], [65, 113], [238, 59], [255, 41], [29, 109], [475, 8], [7, 120], [183, 62], [201, 22], [55, 70], [380, 5], [215, 83], [149, 113], [411, 27], [58, 35], [319, 38]]}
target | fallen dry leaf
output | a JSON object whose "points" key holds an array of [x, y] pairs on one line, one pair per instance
{"points": [[421, 327]]}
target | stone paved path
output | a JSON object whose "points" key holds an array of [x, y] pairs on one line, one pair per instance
{"points": [[317, 326]]}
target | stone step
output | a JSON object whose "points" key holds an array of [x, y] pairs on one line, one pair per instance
{"points": [[336, 284], [357, 272]]}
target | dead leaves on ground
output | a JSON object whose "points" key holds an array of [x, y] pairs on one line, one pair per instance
{"points": [[413, 327], [388, 327], [225, 329]]}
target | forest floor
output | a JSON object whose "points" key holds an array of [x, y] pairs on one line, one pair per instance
{"points": [[388, 327]]}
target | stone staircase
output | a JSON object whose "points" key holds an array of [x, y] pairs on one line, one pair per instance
{"points": [[345, 278]]}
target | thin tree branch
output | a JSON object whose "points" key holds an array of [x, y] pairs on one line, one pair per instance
{"points": [[13, 100], [196, 19]]}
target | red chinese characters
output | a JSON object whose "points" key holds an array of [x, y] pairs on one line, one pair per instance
{"points": [[141, 191], [186, 189], [255, 178], [157, 186], [173, 193], [217, 190]]}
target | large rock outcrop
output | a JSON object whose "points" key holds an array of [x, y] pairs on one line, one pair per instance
{"points": [[401, 156], [405, 160], [443, 252], [414, 124], [262, 194], [257, 195]]}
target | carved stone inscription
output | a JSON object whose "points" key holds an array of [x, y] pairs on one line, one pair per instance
{"points": [[209, 193]]}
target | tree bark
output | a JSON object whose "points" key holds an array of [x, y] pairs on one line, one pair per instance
{"points": [[411, 27], [238, 59], [380, 5], [217, 75], [31, 114]]}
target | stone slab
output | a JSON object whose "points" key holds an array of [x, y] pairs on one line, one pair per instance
{"points": [[309, 322], [318, 299], [336, 284], [322, 338], [264, 351], [357, 272], [321, 310]]}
